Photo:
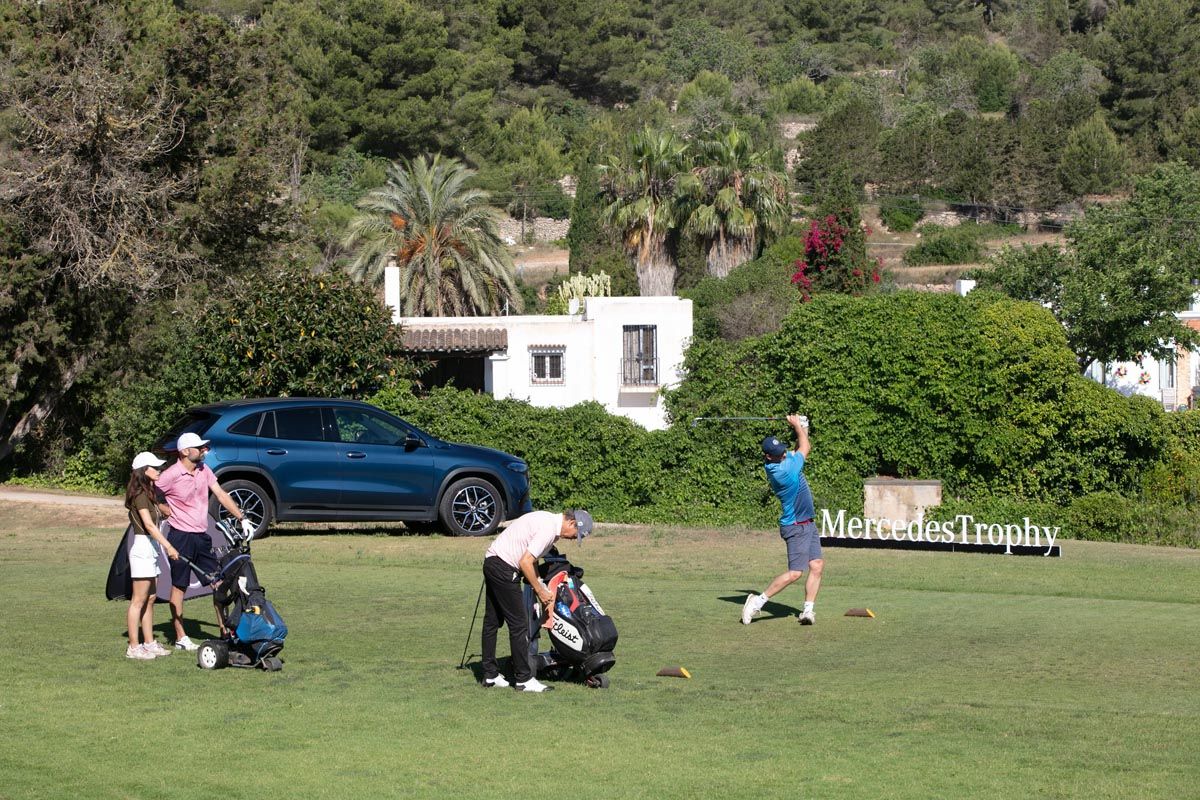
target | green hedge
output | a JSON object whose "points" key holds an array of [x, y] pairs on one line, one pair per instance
{"points": [[1098, 517], [980, 392], [584, 456]]}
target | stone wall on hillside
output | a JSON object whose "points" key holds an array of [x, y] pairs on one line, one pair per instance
{"points": [[538, 229]]}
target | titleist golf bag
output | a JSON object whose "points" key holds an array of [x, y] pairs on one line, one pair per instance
{"points": [[582, 636], [252, 630]]}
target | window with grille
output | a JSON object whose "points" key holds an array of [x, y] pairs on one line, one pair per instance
{"points": [[546, 365], [639, 355]]}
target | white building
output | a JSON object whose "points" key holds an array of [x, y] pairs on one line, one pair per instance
{"points": [[1175, 382], [619, 351]]}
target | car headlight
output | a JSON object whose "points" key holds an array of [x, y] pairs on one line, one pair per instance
{"points": [[518, 466]]}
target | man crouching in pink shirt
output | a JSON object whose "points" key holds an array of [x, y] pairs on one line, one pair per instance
{"points": [[185, 485], [515, 553]]}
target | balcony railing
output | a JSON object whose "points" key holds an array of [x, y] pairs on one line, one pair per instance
{"points": [[639, 371]]}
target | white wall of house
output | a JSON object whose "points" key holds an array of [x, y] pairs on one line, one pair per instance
{"points": [[560, 361], [1147, 377]]}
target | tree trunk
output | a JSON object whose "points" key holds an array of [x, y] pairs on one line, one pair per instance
{"points": [[726, 254], [44, 407], [655, 270]]}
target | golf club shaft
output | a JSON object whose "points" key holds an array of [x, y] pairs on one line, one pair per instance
{"points": [[208, 576], [698, 420], [463, 661]]}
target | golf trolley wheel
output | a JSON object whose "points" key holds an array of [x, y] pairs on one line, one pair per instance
{"points": [[213, 654], [597, 681], [272, 664]]}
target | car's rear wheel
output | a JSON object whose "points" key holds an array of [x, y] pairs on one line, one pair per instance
{"points": [[254, 502], [471, 507]]}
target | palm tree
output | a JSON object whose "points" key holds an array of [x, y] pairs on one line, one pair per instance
{"points": [[443, 236], [645, 204], [738, 199]]}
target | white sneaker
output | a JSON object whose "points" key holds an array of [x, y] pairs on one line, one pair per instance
{"points": [[807, 618], [752, 606], [138, 653], [186, 644], [156, 649], [533, 685], [499, 680]]}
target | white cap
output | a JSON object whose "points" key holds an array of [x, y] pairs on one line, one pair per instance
{"points": [[190, 439], [147, 459]]}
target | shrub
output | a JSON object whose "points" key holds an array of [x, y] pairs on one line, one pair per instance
{"points": [[1000, 509], [958, 245], [798, 96], [900, 213], [1102, 517], [980, 392], [583, 456], [766, 279]]}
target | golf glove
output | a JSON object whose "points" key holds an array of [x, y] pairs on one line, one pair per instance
{"points": [[803, 421], [248, 528]]}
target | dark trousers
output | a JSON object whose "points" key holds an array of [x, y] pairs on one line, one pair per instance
{"points": [[505, 606]]}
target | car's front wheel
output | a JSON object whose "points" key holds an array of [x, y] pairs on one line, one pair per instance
{"points": [[254, 502], [471, 507]]}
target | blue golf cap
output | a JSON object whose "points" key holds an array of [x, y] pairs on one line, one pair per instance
{"points": [[772, 447]]}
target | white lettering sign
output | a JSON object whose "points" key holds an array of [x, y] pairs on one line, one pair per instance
{"points": [[567, 635], [962, 529]]}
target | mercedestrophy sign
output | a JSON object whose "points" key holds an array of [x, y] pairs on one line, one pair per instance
{"points": [[961, 530]]}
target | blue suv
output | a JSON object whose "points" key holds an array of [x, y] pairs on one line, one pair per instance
{"points": [[319, 460]]}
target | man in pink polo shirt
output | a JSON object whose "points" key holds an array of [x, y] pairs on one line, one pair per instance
{"points": [[185, 486], [513, 554]]}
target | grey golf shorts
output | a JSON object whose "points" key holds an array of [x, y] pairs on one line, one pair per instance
{"points": [[803, 544]]}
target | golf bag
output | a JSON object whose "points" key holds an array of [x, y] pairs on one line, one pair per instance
{"points": [[582, 637], [252, 630]]}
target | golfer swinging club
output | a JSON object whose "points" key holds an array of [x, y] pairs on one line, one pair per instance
{"points": [[785, 471]]}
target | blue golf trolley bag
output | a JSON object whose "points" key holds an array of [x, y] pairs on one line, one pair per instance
{"points": [[252, 632]]}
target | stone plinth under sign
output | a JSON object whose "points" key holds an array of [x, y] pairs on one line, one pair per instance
{"points": [[896, 499]]}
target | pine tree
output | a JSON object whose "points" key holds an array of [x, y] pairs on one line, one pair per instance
{"points": [[1093, 161]]}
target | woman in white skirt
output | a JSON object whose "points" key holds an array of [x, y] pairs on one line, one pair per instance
{"points": [[144, 516]]}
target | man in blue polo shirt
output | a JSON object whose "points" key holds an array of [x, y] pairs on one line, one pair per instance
{"points": [[785, 471]]}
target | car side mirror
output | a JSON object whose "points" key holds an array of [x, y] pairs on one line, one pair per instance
{"points": [[412, 442]]}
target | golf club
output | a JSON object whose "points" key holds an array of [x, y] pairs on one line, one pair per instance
{"points": [[211, 577], [698, 420], [463, 662]]}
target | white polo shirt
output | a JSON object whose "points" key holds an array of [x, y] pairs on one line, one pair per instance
{"points": [[533, 533]]}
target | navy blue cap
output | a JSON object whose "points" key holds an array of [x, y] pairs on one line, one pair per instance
{"points": [[772, 447]]}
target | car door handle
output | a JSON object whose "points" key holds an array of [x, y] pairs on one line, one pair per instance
{"points": [[355, 454], [275, 451]]}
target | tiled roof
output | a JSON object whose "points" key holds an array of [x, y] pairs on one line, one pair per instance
{"points": [[455, 340]]}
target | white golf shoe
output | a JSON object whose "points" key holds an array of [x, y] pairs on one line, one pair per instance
{"points": [[533, 685], [753, 605], [499, 680]]}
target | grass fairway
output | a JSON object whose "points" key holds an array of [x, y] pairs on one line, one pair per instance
{"points": [[982, 676]]}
